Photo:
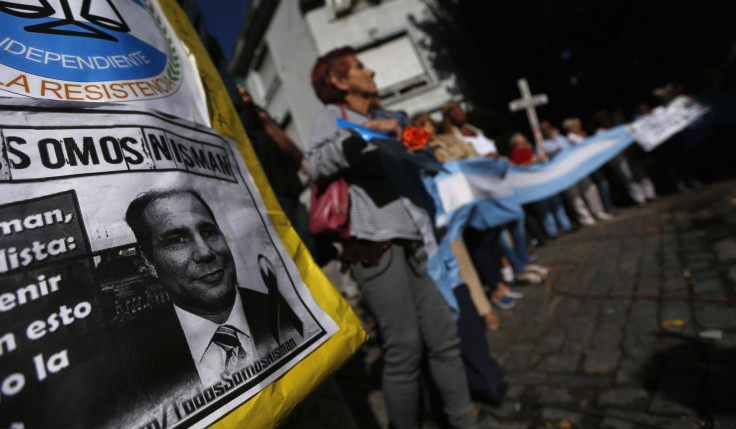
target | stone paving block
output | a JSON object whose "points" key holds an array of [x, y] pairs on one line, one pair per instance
{"points": [[662, 404], [706, 274], [697, 256], [521, 347], [496, 338], [601, 285], [726, 249], [666, 217], [648, 285], [551, 341], [606, 337], [489, 422], [683, 220], [681, 424], [703, 215], [624, 397], [632, 371], [506, 410], [614, 423], [616, 419], [556, 415], [697, 264], [582, 285], [732, 274], [532, 378], [712, 289], [552, 395], [643, 316], [624, 285], [601, 361], [715, 315], [669, 258], [562, 362], [567, 307], [704, 286], [613, 312], [543, 311], [649, 267], [574, 380], [674, 310], [515, 393], [578, 334], [675, 283]]}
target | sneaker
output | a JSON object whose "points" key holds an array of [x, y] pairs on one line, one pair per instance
{"points": [[540, 270], [528, 278], [507, 274], [514, 294], [505, 303], [587, 222], [604, 216]]}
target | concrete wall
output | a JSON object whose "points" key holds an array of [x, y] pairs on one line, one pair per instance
{"points": [[373, 23], [293, 51], [365, 24], [295, 41]]}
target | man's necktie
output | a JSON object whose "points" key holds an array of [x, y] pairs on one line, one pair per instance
{"points": [[226, 338]]}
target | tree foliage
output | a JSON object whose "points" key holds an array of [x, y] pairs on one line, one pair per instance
{"points": [[584, 55]]}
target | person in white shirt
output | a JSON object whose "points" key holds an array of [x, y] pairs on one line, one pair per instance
{"points": [[453, 122], [585, 191]]}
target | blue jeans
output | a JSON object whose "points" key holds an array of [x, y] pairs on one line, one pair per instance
{"points": [[515, 251], [552, 209], [600, 181]]}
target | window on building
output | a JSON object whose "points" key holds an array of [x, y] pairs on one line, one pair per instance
{"points": [[268, 75], [398, 67]]}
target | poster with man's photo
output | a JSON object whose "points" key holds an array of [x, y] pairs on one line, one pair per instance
{"points": [[166, 302]]}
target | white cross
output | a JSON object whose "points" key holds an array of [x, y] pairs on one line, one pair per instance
{"points": [[528, 102]]}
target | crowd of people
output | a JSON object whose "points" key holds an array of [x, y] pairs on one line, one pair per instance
{"points": [[386, 253]]}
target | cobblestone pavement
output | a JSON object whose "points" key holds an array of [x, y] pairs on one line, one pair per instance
{"points": [[617, 337]]}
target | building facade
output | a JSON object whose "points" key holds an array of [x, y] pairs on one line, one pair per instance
{"points": [[280, 41]]}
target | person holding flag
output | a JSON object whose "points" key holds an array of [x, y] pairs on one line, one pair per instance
{"points": [[385, 251]]}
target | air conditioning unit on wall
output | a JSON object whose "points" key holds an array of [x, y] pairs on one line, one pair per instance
{"points": [[340, 7]]}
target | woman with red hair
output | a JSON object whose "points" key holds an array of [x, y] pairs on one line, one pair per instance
{"points": [[385, 251]]}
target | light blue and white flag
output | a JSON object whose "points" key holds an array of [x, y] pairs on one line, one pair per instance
{"points": [[572, 164], [473, 192]]}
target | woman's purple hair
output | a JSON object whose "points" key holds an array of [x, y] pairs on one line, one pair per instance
{"points": [[331, 63]]}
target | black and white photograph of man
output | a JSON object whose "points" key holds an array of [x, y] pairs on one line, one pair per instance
{"points": [[224, 325]]}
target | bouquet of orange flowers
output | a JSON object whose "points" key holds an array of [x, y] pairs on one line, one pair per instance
{"points": [[415, 138]]}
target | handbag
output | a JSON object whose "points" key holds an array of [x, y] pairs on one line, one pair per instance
{"points": [[329, 209]]}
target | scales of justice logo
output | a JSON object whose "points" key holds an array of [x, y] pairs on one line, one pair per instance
{"points": [[105, 15], [86, 41]]}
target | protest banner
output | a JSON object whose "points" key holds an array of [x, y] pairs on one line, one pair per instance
{"points": [[664, 122], [135, 245]]}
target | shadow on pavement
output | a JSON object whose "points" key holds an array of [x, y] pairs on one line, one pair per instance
{"points": [[691, 376]]}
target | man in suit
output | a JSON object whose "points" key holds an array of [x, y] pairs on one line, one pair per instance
{"points": [[224, 327]]}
